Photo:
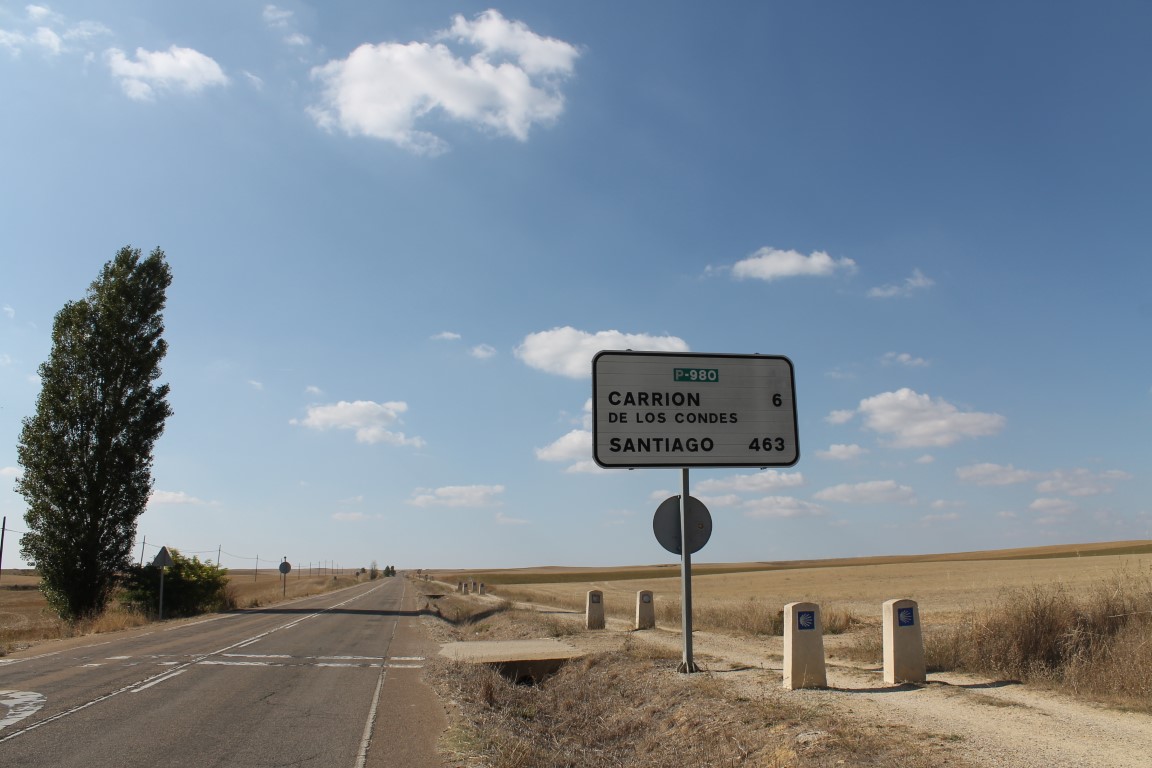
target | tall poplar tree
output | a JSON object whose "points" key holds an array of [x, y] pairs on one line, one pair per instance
{"points": [[87, 452]]}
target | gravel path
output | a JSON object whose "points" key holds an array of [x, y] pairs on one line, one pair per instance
{"points": [[984, 722]]}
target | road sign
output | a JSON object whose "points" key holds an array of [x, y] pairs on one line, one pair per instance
{"points": [[285, 567], [666, 409], [666, 525], [163, 559]]}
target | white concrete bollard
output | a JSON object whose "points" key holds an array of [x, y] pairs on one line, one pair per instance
{"points": [[803, 647], [645, 610], [903, 643], [483, 589], [594, 610], [465, 587]]}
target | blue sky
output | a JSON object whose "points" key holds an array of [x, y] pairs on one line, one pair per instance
{"points": [[400, 231]]}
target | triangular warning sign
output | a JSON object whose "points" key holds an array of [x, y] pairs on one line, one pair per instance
{"points": [[163, 559]]}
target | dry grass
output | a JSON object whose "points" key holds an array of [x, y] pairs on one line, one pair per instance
{"points": [[1092, 643], [748, 617], [628, 707], [25, 618]]}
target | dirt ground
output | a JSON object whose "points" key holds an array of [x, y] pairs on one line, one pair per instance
{"points": [[981, 721]]}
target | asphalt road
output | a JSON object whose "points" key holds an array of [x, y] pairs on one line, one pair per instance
{"points": [[331, 681]]}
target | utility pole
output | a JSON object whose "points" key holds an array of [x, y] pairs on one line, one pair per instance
{"points": [[3, 528]]}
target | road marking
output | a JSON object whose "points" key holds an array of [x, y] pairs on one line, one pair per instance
{"points": [[148, 682], [407, 658], [211, 663], [116, 658], [257, 655], [158, 680], [28, 658], [20, 705], [348, 658]]}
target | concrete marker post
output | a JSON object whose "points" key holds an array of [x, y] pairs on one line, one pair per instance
{"points": [[645, 610], [903, 643], [804, 647], [594, 610]]}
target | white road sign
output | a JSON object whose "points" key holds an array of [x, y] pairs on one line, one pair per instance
{"points": [[664, 409]]}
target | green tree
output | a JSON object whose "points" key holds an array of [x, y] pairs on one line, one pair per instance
{"points": [[87, 452], [190, 587]]}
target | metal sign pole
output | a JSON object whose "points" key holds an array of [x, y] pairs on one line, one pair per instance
{"points": [[3, 528], [687, 665]]}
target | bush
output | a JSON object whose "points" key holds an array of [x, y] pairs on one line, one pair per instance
{"points": [[190, 587]]}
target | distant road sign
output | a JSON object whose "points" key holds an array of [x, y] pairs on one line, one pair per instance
{"points": [[666, 525], [665, 409], [163, 559], [285, 567]]}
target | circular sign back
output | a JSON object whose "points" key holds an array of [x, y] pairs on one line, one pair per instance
{"points": [[666, 525], [285, 567]]}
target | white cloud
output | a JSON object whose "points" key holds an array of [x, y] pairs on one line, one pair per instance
{"points": [[905, 359], [482, 351], [1081, 482], [507, 84], [457, 496], [781, 506], [256, 385], [773, 264], [446, 336], [758, 482], [917, 282], [172, 497], [312, 389], [873, 492], [840, 452], [918, 421], [44, 30], [349, 517], [575, 447], [370, 421], [941, 518], [577, 444], [994, 474], [277, 17], [568, 352], [9, 312], [177, 69], [840, 417], [503, 519], [1052, 508], [49, 40], [10, 472], [942, 504], [926, 459]]}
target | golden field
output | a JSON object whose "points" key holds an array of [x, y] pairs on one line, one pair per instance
{"points": [[944, 585]]}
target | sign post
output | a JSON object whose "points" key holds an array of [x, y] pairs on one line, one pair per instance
{"points": [[163, 560], [668, 409], [285, 569]]}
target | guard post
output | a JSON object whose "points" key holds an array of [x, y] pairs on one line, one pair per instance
{"points": [[645, 610], [594, 610], [903, 643], [804, 647]]}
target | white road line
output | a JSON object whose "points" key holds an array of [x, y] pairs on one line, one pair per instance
{"points": [[148, 682], [20, 705], [370, 723], [158, 680], [28, 658]]}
